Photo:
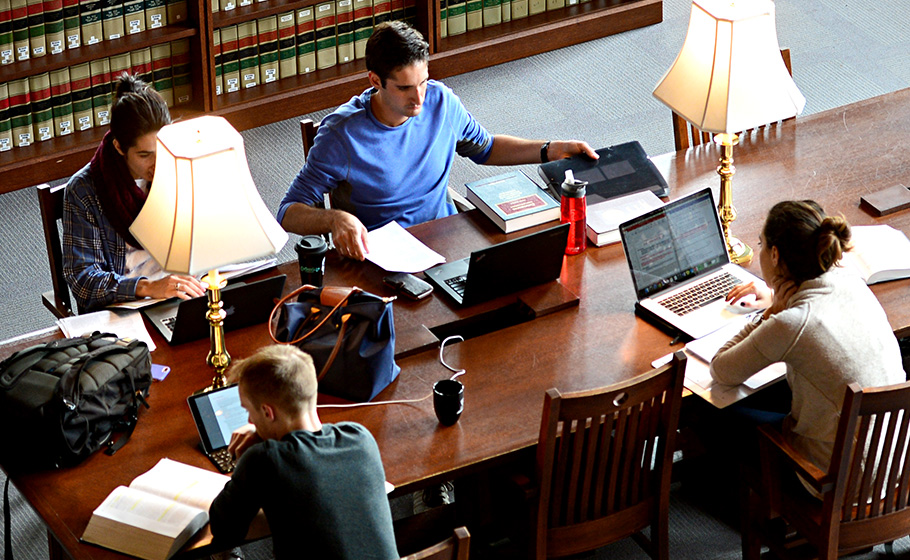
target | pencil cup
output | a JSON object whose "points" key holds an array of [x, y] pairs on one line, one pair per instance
{"points": [[448, 401]]}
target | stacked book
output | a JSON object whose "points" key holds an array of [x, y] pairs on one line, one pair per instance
{"points": [[460, 16], [78, 97], [315, 37], [36, 28]]}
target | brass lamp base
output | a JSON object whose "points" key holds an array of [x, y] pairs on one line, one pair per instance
{"points": [[218, 357], [739, 252]]}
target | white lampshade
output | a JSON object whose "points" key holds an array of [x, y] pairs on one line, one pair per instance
{"points": [[203, 210], [729, 75]]}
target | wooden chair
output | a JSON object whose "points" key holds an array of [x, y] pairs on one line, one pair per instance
{"points": [[50, 202], [865, 494], [603, 464], [455, 547], [308, 130], [686, 135]]}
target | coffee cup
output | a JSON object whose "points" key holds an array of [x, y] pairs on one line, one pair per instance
{"points": [[311, 250], [448, 400]]}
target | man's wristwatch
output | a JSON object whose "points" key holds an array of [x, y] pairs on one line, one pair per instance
{"points": [[543, 152]]}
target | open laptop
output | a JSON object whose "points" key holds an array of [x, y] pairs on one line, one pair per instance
{"points": [[503, 268], [217, 413], [680, 267], [181, 321]]}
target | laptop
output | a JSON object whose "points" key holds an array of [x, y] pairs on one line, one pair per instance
{"points": [[680, 267], [181, 321], [217, 413], [503, 268]]}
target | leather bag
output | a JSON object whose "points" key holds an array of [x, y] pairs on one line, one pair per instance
{"points": [[349, 333]]}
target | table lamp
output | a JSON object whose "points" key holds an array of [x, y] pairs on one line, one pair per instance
{"points": [[204, 212], [728, 77]]}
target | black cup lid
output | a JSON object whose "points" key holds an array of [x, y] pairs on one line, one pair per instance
{"points": [[312, 244]]}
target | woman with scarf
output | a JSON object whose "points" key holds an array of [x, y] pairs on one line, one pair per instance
{"points": [[102, 262]]}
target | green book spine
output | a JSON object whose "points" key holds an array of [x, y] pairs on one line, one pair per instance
{"points": [[81, 93], [267, 30], [326, 53], [456, 17], [6, 37], [42, 107], [344, 26], [363, 26], [155, 14], [306, 40], [230, 59], [53, 26], [133, 16], [101, 91], [62, 102], [36, 39], [6, 129], [71, 30], [287, 45], [112, 19], [216, 52], [474, 14], [163, 72], [183, 78], [20, 113], [248, 47], [19, 18], [443, 25], [492, 12], [90, 21]]}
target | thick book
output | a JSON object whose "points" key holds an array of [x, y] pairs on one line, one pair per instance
{"points": [[141, 61], [456, 17], [536, 6], [112, 19], [512, 201], [6, 129], [41, 106], [183, 79], [62, 101], [176, 12], [267, 28], [6, 33], [20, 113], [603, 218], [101, 91], [19, 19], [133, 16], [90, 21], [36, 39], [155, 14], [53, 26], [506, 10], [443, 14], [163, 72], [344, 24], [880, 253], [287, 45], [218, 56], [72, 33], [81, 94], [555, 4], [363, 26], [396, 10], [120, 64], [306, 40], [326, 53], [621, 169], [474, 14], [248, 52], [230, 59], [492, 12], [157, 513], [887, 201], [382, 11]]}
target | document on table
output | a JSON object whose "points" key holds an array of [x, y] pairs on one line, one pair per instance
{"points": [[123, 324], [394, 249]]}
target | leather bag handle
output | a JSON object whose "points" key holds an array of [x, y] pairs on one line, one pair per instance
{"points": [[339, 295]]}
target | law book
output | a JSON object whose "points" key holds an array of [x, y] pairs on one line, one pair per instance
{"points": [[36, 39], [512, 201], [133, 16], [54, 35], [536, 7], [382, 11], [40, 104], [20, 113], [244, 3], [603, 218], [456, 17], [396, 10], [228, 5], [492, 12], [506, 14], [230, 60], [363, 26], [81, 94], [155, 14], [62, 102], [555, 4], [183, 82], [19, 17], [217, 54], [410, 12], [880, 253], [101, 91], [287, 45], [474, 14], [176, 12], [157, 513], [267, 29], [6, 129], [90, 21], [163, 72], [344, 25], [72, 31], [120, 64], [248, 52], [141, 65], [216, 6], [443, 14], [519, 9], [6, 33], [112, 19], [306, 40], [326, 53]]}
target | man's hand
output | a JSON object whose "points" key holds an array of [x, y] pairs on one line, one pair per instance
{"points": [[349, 235], [242, 439], [562, 149]]}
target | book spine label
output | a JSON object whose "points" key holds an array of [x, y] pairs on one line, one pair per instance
{"points": [[6, 130], [19, 18], [81, 92], [287, 45], [71, 30], [101, 90], [306, 41], [112, 19], [155, 14], [53, 26], [62, 102], [163, 72], [90, 21], [41, 106], [267, 29], [183, 79], [219, 60], [36, 31], [344, 21], [230, 59], [249, 54], [133, 16], [326, 54], [20, 113]]}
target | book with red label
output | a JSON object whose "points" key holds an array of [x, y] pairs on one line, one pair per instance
{"points": [[326, 53], [141, 62], [62, 102], [101, 91], [72, 33], [36, 38], [6, 36], [248, 52], [512, 201], [287, 45], [363, 26], [39, 87], [219, 69], [382, 11], [6, 130], [163, 72], [267, 28], [230, 60], [344, 23], [53, 26], [81, 94], [396, 8], [306, 40], [19, 17], [183, 83], [20, 113]]}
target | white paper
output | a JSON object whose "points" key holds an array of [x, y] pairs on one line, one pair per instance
{"points": [[181, 483], [394, 249], [124, 324]]}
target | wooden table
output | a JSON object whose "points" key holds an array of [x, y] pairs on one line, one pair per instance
{"points": [[833, 157]]}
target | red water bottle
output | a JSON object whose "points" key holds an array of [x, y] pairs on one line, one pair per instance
{"points": [[573, 211]]}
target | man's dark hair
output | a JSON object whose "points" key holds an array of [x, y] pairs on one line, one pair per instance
{"points": [[394, 45]]}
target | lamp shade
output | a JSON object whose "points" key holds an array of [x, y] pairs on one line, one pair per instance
{"points": [[729, 75], [203, 210]]}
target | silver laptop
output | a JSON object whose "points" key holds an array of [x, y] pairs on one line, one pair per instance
{"points": [[680, 266], [217, 413]]}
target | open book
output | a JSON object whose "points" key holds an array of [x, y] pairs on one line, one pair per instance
{"points": [[880, 253], [157, 513]]}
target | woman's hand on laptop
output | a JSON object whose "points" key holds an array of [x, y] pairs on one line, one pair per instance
{"points": [[174, 285], [242, 439], [751, 295]]}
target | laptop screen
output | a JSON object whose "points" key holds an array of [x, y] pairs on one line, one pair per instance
{"points": [[217, 414], [674, 243]]}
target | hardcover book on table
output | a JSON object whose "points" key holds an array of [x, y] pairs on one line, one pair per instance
{"points": [[880, 253], [512, 201], [603, 218]]}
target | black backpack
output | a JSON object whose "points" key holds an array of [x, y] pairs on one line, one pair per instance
{"points": [[62, 401]]}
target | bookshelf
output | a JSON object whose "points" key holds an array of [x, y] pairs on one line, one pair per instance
{"points": [[320, 89]]}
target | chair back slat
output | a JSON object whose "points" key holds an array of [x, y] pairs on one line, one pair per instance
{"points": [[604, 448], [865, 486], [903, 483]]}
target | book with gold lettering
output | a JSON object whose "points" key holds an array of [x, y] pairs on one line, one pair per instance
{"points": [[6, 130], [306, 40], [36, 39], [112, 19], [81, 94], [456, 18], [267, 28], [101, 91], [90, 21], [180, 60], [230, 60], [163, 72], [344, 23], [53, 26], [62, 102], [326, 53], [39, 87], [6, 34], [141, 65], [287, 45], [248, 52], [363, 26], [474, 14], [72, 32], [20, 113], [133, 16], [19, 17], [155, 14]]}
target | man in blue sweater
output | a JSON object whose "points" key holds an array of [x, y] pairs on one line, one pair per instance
{"points": [[389, 150], [321, 486]]}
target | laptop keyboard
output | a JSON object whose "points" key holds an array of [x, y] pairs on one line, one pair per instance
{"points": [[169, 322], [223, 460], [700, 294], [457, 283]]}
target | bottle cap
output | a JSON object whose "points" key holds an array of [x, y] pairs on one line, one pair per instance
{"points": [[573, 188]]}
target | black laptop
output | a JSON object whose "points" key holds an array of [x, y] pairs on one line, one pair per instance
{"points": [[246, 304], [217, 413], [504, 268]]}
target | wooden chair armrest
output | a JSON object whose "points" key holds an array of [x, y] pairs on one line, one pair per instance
{"points": [[773, 442]]}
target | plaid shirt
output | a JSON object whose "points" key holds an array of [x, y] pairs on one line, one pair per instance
{"points": [[94, 254]]}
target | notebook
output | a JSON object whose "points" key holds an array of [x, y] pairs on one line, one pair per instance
{"points": [[680, 267], [503, 268], [217, 413], [181, 321]]}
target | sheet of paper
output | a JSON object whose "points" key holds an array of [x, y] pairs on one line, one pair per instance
{"points": [[123, 324], [394, 249]]}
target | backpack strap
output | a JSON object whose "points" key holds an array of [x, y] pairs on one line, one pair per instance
{"points": [[12, 368], [68, 387]]}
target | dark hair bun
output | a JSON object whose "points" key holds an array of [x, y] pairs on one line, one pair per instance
{"points": [[127, 83]]}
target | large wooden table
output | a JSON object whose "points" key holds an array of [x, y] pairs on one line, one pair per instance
{"points": [[833, 157]]}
